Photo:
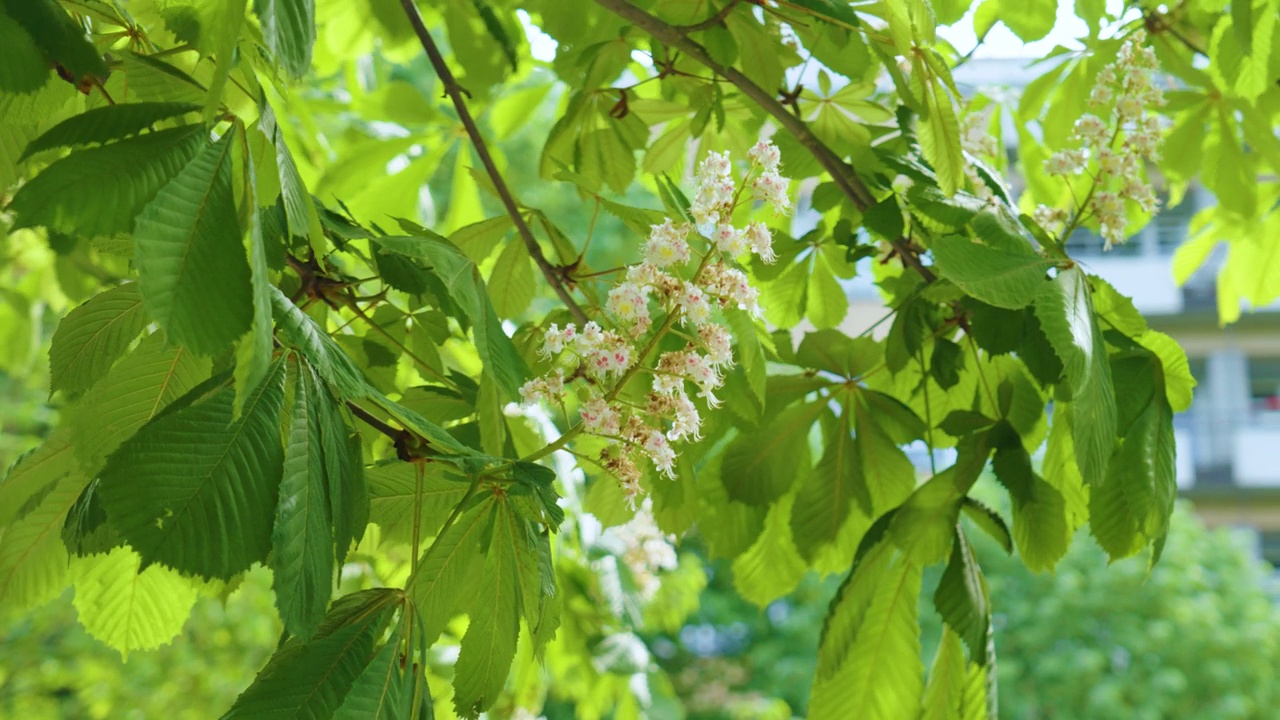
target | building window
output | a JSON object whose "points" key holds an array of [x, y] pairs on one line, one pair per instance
{"points": [[1172, 222], [1085, 242], [1264, 388]]}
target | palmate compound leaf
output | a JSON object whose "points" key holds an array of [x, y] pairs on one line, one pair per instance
{"points": [[302, 558], [311, 679], [195, 490], [91, 337], [126, 607], [192, 267], [1065, 311], [105, 124], [99, 191], [495, 585]]}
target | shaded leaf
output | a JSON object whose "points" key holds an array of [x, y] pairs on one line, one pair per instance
{"points": [[192, 268]]}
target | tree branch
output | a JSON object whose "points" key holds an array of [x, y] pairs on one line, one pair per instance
{"points": [[712, 21], [455, 93], [843, 174]]}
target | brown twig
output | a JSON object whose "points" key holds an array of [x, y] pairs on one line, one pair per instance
{"points": [[712, 21], [374, 421], [843, 174], [455, 93]]}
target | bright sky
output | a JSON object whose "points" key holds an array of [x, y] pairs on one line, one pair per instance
{"points": [[1002, 43]]}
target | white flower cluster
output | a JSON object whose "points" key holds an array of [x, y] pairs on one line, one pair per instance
{"points": [[646, 550], [976, 140], [684, 285], [1116, 142]]}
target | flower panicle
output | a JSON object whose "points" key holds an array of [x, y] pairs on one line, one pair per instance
{"points": [[1116, 140], [689, 272]]}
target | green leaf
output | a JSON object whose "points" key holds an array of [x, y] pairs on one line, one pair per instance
{"points": [[1133, 505], [311, 679], [849, 606], [771, 567], [192, 270], [33, 560], [253, 354], [299, 209], [154, 80], [826, 496], [126, 607], [62, 39], [150, 377], [347, 489], [93, 336], [1065, 310], [99, 191], [35, 473], [488, 647], [990, 522], [881, 676], [944, 695], [962, 599], [461, 277], [289, 27], [512, 281], [940, 135], [1028, 19], [298, 330], [886, 472], [194, 474], [25, 69], [302, 538], [105, 124], [783, 297], [836, 352], [384, 691], [1043, 521], [1178, 380], [445, 582], [393, 490], [222, 38], [749, 352], [827, 303], [760, 467], [1005, 279]]}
